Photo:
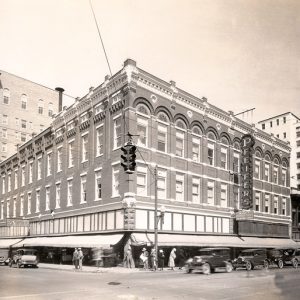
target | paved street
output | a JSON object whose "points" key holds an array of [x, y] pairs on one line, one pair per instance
{"points": [[43, 283]]}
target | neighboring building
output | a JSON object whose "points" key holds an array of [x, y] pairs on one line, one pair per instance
{"points": [[287, 128], [26, 108], [67, 182]]}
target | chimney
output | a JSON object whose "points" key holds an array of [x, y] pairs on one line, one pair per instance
{"points": [[60, 99]]}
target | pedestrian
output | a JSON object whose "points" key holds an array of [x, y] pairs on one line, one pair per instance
{"points": [[153, 259], [75, 258], [172, 257], [97, 254], [129, 259], [181, 258], [161, 259], [145, 257], [80, 258]]}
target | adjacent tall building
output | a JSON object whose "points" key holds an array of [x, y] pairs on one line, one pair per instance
{"points": [[219, 181], [26, 108]]}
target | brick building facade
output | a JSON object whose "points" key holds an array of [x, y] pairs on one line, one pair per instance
{"points": [[68, 180]]}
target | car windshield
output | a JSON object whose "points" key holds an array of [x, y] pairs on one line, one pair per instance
{"points": [[288, 251], [247, 253], [206, 252], [29, 252]]}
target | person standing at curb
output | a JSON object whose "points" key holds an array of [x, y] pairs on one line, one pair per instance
{"points": [[75, 259], [172, 257], [161, 259], [153, 259], [144, 257], [80, 258]]}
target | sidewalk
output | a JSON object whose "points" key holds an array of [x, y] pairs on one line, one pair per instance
{"points": [[93, 269]]}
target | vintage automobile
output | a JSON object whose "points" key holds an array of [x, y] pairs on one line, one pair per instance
{"points": [[287, 256], [251, 258], [3, 256], [210, 259], [275, 257], [24, 257]]}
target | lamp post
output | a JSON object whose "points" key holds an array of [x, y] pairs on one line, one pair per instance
{"points": [[156, 216]]}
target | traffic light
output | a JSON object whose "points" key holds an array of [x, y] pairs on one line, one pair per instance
{"points": [[128, 158]]}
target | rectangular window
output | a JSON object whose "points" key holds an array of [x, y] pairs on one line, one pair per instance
{"points": [[275, 175], [9, 182], [236, 162], [71, 154], [14, 207], [59, 159], [179, 144], [141, 181], [4, 119], [271, 124], [23, 137], [99, 141], [98, 185], [39, 168], [49, 164], [210, 192], [23, 123], [30, 172], [284, 135], [70, 193], [16, 179], [257, 201], [57, 196], [161, 184], [47, 206], [28, 203], [267, 172], [8, 209], [283, 207], [196, 190], [210, 153], [257, 169], [224, 195], [117, 133], [84, 148], [23, 175], [115, 183], [4, 133], [196, 149], [179, 187], [2, 210], [284, 120], [4, 147], [142, 126], [275, 209], [277, 122], [223, 158], [267, 202], [263, 126], [83, 118], [83, 189], [37, 201], [40, 110], [161, 138]]}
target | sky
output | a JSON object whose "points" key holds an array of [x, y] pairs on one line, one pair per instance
{"points": [[239, 54]]}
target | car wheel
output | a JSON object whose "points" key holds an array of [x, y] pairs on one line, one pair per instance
{"points": [[10, 263], [266, 264], [280, 264], [229, 267], [248, 266], [18, 264], [188, 270], [206, 269], [295, 263]]}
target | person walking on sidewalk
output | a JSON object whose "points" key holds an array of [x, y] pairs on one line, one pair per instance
{"points": [[80, 258], [172, 257], [153, 259], [75, 259], [145, 257], [161, 259]]}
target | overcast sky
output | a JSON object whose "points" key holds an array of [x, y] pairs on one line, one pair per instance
{"points": [[240, 54]]}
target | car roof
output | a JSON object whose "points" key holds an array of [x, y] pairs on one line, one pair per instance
{"points": [[254, 249], [31, 249], [208, 249]]}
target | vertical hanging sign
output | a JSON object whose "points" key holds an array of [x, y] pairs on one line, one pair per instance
{"points": [[247, 143]]}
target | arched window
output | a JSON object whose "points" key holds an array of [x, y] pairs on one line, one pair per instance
{"points": [[236, 146], [6, 96], [196, 130], [224, 153], [275, 170], [211, 138], [142, 124], [23, 101], [162, 131], [196, 143], [180, 137], [267, 168]]}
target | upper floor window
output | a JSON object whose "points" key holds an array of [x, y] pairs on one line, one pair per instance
{"points": [[211, 148], [28, 203], [196, 149], [14, 207], [267, 202], [84, 117], [99, 140], [180, 136], [257, 201], [115, 182], [49, 164], [271, 124], [57, 201], [71, 154], [162, 131], [83, 189], [16, 179], [30, 172], [161, 184], [59, 159], [275, 171], [277, 122], [23, 174], [40, 106], [50, 109], [263, 126], [9, 182], [196, 190], [84, 147], [179, 187], [5, 119], [6, 96], [98, 185], [24, 101], [37, 201], [283, 206], [141, 181], [2, 210], [257, 169], [284, 135], [39, 168], [275, 206], [224, 158], [142, 109], [70, 193], [4, 133], [117, 133], [284, 120], [23, 123], [224, 195], [47, 206], [210, 192]]}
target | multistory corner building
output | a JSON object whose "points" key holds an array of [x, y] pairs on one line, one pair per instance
{"points": [[287, 127], [26, 108], [219, 181]]}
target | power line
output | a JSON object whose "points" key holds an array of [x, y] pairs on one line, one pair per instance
{"points": [[100, 38]]}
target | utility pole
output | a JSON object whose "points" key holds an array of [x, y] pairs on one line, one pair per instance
{"points": [[155, 215]]}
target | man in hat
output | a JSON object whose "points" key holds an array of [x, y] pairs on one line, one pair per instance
{"points": [[80, 258], [75, 258]]}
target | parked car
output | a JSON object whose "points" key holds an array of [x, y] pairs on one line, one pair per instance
{"points": [[275, 257], [209, 259], [290, 256], [3, 256], [24, 257], [251, 258]]}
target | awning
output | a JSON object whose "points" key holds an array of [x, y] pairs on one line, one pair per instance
{"points": [[211, 241], [6, 243], [84, 241]]}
